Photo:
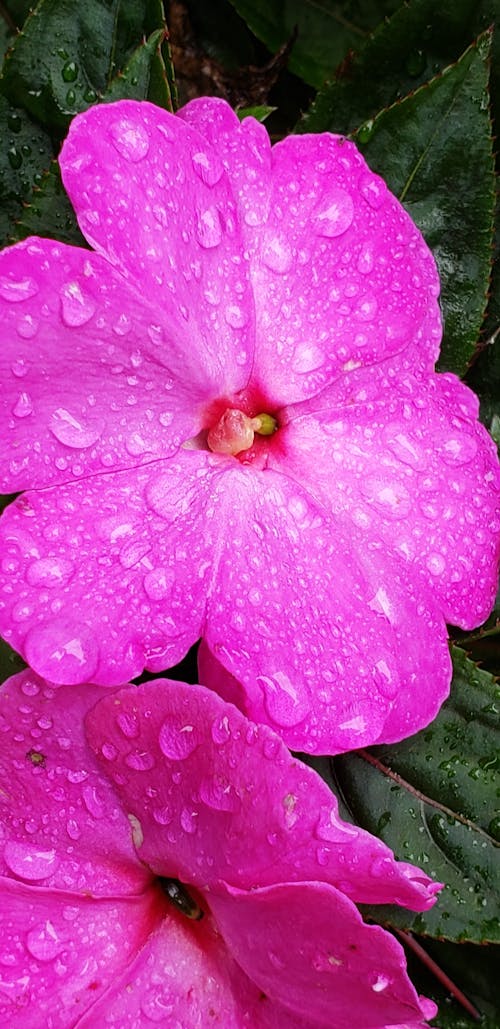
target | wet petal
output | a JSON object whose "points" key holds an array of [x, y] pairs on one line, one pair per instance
{"points": [[306, 946], [408, 463], [319, 624], [184, 976], [87, 368], [201, 780], [60, 952], [341, 273], [105, 576], [61, 824], [151, 195]]}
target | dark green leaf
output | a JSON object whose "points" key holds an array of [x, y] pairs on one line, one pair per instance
{"points": [[68, 54], [25, 153], [50, 212], [432, 799], [10, 662], [326, 30], [473, 970], [435, 151], [260, 113], [144, 76], [218, 31], [419, 41], [15, 12]]}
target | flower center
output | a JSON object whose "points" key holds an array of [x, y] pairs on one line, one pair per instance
{"points": [[235, 431], [181, 898]]}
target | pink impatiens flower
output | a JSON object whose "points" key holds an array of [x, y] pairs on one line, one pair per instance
{"points": [[229, 421], [115, 808]]}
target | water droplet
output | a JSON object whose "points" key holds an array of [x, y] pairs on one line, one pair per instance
{"points": [[162, 815], [365, 131], [189, 820], [15, 157], [28, 862], [158, 583], [140, 760], [69, 71], [19, 368], [61, 654], [27, 327], [416, 63], [436, 564], [16, 290], [130, 139], [330, 828], [177, 740], [209, 228], [92, 801], [49, 571], [14, 122], [109, 751], [219, 794], [128, 724], [221, 731], [277, 255], [23, 406], [307, 358], [70, 431], [43, 942], [76, 308], [373, 189], [285, 706], [235, 316], [334, 214], [208, 167]]}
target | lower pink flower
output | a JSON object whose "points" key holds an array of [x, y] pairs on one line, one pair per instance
{"points": [[164, 860]]}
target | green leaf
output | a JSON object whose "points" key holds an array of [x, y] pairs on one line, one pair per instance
{"points": [[326, 30], [419, 41], [68, 54], [434, 149], [50, 213], [432, 800], [10, 662], [260, 113], [472, 969], [25, 153], [144, 76], [15, 12]]}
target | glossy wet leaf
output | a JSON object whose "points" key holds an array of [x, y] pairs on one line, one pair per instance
{"points": [[435, 151], [68, 54], [10, 662], [326, 31], [15, 12], [49, 212], [144, 76], [25, 153], [472, 969], [418, 41], [432, 799]]}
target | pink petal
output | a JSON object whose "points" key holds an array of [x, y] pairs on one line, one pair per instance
{"points": [[103, 576], [87, 369], [184, 976], [318, 623], [413, 468], [307, 947], [340, 271], [60, 951], [202, 781], [61, 826], [151, 195]]}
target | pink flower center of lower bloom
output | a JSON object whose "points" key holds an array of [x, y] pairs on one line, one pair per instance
{"points": [[234, 432]]}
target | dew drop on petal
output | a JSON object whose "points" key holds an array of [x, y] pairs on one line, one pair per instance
{"points": [[373, 189], [19, 368], [208, 228], [128, 724], [27, 327], [62, 654], [71, 431], [28, 862], [220, 730], [277, 255], [23, 406], [436, 564], [43, 942], [76, 307], [219, 795], [15, 290], [49, 571], [158, 583], [177, 741], [189, 820], [334, 215], [140, 760], [283, 703], [208, 167], [130, 139]]}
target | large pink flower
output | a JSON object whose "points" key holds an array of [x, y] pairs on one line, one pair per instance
{"points": [[234, 290], [174, 784]]}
